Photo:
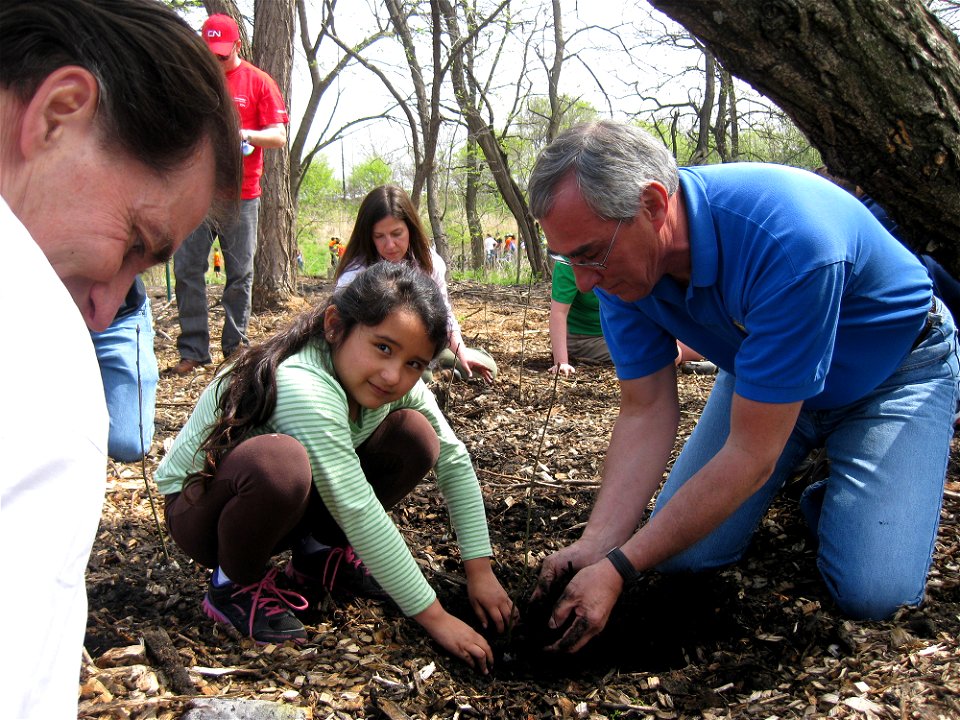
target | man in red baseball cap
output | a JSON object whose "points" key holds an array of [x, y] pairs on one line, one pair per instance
{"points": [[221, 34], [263, 120]]}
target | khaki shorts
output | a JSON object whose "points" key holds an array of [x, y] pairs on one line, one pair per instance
{"points": [[589, 348]]}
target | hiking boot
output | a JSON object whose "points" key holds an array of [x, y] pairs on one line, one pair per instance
{"points": [[336, 570], [185, 367], [261, 610]]}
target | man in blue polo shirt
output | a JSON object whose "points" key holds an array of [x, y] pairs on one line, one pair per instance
{"points": [[826, 334]]}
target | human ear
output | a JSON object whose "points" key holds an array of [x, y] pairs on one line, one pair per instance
{"points": [[65, 101], [654, 201], [332, 326]]}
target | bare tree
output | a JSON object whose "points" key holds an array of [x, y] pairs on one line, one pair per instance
{"points": [[420, 107], [874, 85], [465, 88], [705, 114], [320, 84], [427, 106], [727, 120], [472, 170]]}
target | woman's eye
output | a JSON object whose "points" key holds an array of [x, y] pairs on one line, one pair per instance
{"points": [[384, 348], [416, 365]]}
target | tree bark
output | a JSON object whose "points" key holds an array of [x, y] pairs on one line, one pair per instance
{"points": [[472, 172], [274, 264], [705, 114], [875, 86]]}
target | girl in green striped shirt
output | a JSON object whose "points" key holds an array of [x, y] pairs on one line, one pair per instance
{"points": [[305, 442]]}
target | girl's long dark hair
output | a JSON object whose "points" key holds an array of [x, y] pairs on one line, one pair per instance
{"points": [[250, 395], [381, 202]]}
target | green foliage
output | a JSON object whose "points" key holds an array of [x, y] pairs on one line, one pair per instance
{"points": [[496, 275], [774, 140], [316, 256], [319, 184], [367, 175], [779, 141]]}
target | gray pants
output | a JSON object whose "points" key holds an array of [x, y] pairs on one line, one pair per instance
{"points": [[190, 263]]}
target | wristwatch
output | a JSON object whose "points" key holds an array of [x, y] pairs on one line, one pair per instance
{"points": [[626, 569]]}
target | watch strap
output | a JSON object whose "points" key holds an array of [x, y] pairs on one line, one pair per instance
{"points": [[623, 566]]}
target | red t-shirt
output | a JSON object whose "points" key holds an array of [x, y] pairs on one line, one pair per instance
{"points": [[259, 104]]}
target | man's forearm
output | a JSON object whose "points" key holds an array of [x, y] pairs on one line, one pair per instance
{"points": [[558, 332], [633, 468], [758, 434], [272, 136]]}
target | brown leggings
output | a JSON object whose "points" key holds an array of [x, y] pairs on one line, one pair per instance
{"points": [[262, 499]]}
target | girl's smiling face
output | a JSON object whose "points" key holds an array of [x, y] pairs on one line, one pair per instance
{"points": [[378, 364], [391, 236]]}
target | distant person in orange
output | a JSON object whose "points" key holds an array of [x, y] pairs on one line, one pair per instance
{"points": [[336, 251], [217, 263]]}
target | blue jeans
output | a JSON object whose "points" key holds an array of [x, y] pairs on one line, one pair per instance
{"points": [[876, 515], [190, 263], [131, 404]]}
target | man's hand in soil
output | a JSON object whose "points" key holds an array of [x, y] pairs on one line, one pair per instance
{"points": [[563, 563], [588, 600]]}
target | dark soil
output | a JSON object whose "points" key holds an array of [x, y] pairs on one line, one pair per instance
{"points": [[757, 640]]}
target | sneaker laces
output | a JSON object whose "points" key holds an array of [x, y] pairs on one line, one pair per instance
{"points": [[337, 556], [269, 598]]}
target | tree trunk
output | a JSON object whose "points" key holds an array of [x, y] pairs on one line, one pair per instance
{"points": [[873, 84], [474, 226], [494, 154], [553, 76], [427, 105], [729, 91], [274, 265], [705, 115]]}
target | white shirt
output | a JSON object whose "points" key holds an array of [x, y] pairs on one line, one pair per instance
{"points": [[53, 445], [439, 276]]}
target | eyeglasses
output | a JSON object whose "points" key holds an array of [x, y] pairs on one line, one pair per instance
{"points": [[602, 265]]}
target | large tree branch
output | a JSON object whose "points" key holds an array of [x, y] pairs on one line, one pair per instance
{"points": [[874, 85]]}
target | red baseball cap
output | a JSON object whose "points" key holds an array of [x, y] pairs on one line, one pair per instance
{"points": [[220, 33]]}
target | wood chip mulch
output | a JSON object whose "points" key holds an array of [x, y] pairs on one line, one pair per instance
{"points": [[758, 640]]}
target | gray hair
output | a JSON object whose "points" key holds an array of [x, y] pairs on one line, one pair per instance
{"points": [[613, 164]]}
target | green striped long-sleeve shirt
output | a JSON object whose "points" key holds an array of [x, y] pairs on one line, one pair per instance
{"points": [[312, 407]]}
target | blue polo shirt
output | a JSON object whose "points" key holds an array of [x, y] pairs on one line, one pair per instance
{"points": [[795, 289]]}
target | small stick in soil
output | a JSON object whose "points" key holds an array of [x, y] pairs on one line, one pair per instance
{"points": [[143, 457]]}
